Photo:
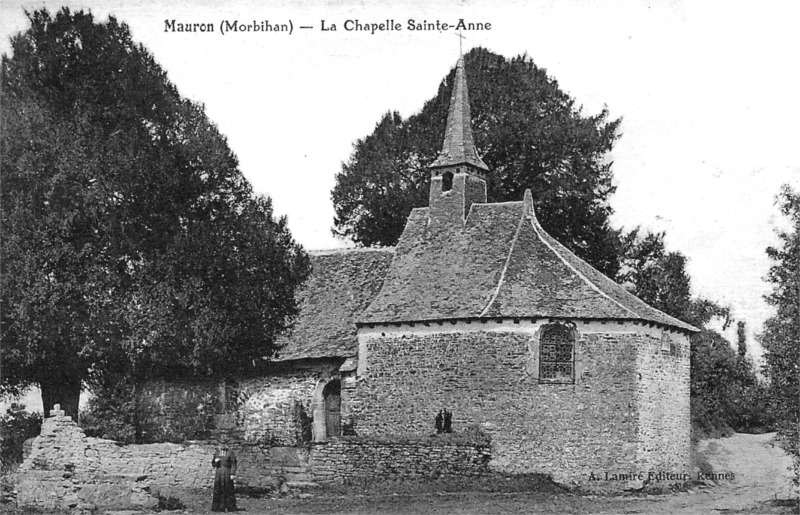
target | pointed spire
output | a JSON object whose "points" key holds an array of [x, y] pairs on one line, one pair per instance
{"points": [[459, 144]]}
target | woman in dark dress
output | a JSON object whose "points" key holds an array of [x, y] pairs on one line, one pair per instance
{"points": [[224, 462]]}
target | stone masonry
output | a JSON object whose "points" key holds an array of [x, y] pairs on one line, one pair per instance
{"points": [[65, 471], [359, 459], [68, 470], [663, 402], [65, 468], [256, 410], [628, 408]]}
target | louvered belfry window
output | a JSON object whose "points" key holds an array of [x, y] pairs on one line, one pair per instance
{"points": [[556, 356]]}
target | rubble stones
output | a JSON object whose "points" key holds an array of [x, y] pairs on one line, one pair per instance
{"points": [[69, 471]]}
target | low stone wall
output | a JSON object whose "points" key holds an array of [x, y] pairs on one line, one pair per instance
{"points": [[356, 459], [65, 468], [64, 471]]}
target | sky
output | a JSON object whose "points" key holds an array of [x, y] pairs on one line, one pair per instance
{"points": [[707, 92]]}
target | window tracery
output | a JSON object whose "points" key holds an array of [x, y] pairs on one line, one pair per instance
{"points": [[557, 354]]}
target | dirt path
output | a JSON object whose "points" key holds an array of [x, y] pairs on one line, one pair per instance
{"points": [[761, 471]]}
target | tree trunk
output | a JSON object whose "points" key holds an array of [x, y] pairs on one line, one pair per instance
{"points": [[61, 389]]}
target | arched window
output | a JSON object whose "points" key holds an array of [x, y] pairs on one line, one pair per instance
{"points": [[333, 408], [447, 181], [557, 354]]}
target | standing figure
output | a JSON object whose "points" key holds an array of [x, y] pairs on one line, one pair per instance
{"points": [[224, 461]]}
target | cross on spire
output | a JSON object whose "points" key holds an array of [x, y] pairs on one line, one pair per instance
{"points": [[460, 40]]}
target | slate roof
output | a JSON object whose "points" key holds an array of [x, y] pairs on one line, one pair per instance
{"points": [[342, 284], [500, 264], [459, 145]]}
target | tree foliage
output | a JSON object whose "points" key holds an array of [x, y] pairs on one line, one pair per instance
{"points": [[531, 135], [659, 277], [781, 336], [741, 338], [725, 392], [132, 242], [16, 426]]}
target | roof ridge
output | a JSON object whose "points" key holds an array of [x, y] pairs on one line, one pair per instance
{"points": [[507, 202], [538, 229], [644, 310], [346, 250], [505, 266]]}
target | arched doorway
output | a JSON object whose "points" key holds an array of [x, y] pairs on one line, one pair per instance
{"points": [[332, 395]]}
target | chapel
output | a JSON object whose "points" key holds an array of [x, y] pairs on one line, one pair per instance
{"points": [[480, 312]]}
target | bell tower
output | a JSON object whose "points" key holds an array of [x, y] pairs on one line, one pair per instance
{"points": [[458, 174]]}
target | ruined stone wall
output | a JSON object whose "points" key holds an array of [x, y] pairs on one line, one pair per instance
{"points": [[359, 459], [65, 468], [664, 403], [481, 374]]}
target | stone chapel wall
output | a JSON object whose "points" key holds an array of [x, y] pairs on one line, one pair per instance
{"points": [[479, 373], [254, 409], [664, 403]]}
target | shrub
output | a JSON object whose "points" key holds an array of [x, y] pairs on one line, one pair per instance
{"points": [[726, 394], [16, 426], [169, 503], [112, 414], [700, 462], [122, 411]]}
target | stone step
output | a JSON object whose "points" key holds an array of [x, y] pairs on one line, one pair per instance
{"points": [[298, 477], [295, 469], [301, 484]]}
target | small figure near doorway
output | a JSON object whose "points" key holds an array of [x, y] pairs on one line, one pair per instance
{"points": [[224, 461]]}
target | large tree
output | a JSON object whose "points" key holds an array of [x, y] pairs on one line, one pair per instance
{"points": [[725, 391], [781, 336], [531, 135], [658, 276], [131, 240]]}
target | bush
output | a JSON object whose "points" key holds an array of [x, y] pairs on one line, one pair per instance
{"points": [[112, 414], [726, 394], [169, 503], [16, 426], [700, 462], [117, 411]]}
